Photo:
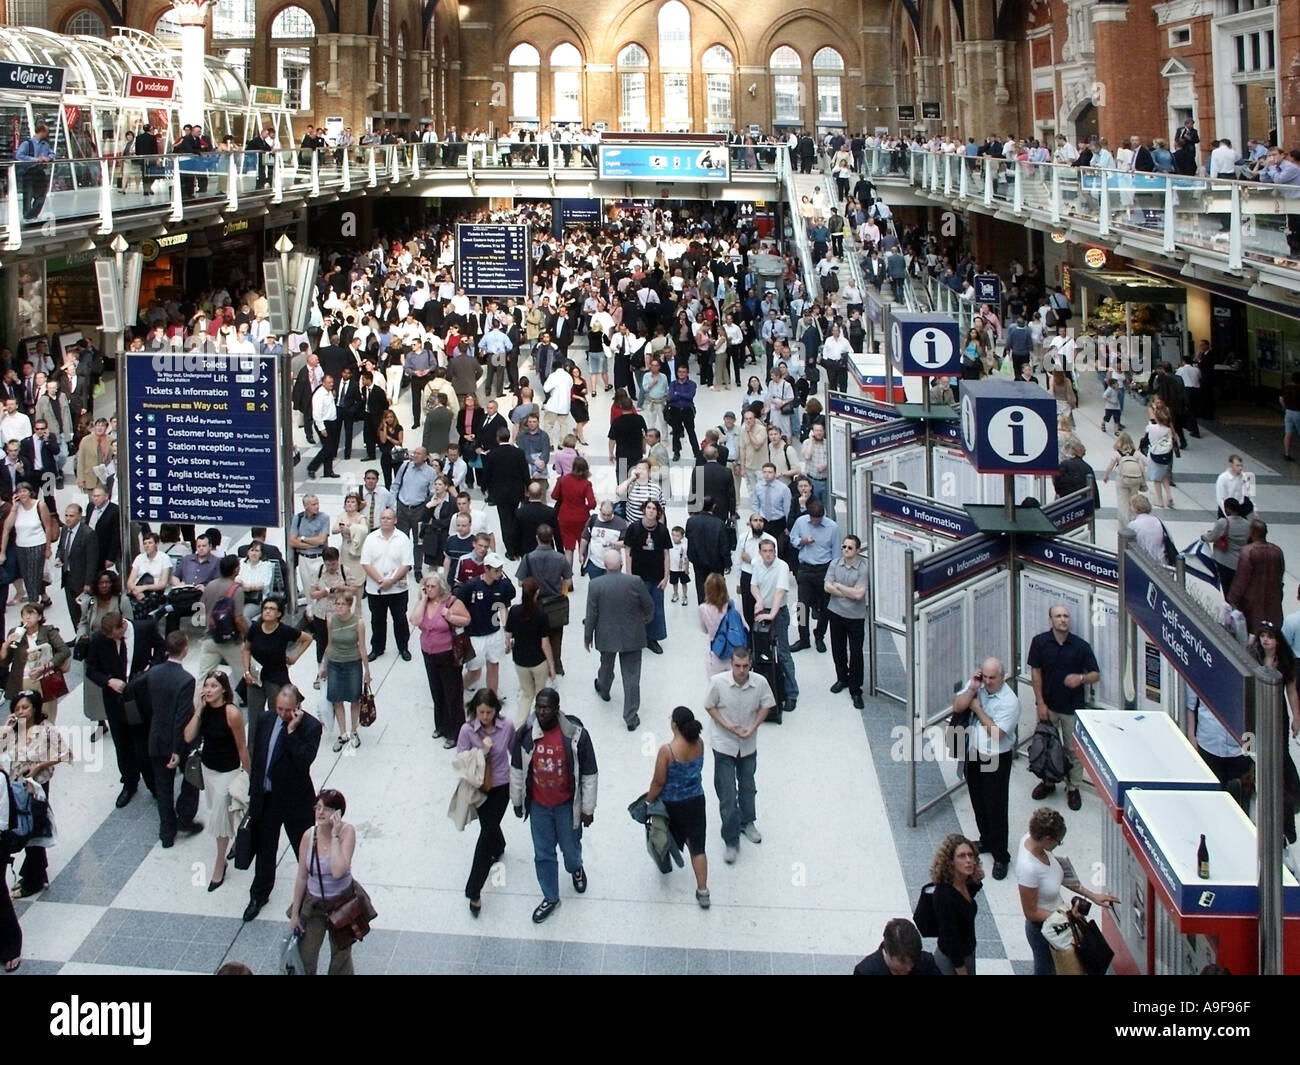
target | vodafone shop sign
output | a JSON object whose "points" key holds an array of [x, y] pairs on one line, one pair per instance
{"points": [[149, 87]]}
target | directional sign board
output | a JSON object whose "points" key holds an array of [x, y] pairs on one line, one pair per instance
{"points": [[204, 443], [492, 259], [924, 344], [988, 289]]}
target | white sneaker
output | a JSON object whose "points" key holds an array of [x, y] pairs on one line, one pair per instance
{"points": [[340, 742], [752, 833], [729, 856]]}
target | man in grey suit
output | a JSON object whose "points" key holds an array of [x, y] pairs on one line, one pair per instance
{"points": [[618, 610], [170, 688]]}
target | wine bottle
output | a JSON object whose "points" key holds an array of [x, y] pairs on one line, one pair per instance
{"points": [[1203, 860]]}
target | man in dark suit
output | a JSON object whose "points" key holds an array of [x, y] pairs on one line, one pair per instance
{"points": [[708, 549], [117, 660], [146, 145], [307, 381], [281, 792], [74, 382], [505, 476], [374, 401], [334, 358], [77, 557], [170, 690], [618, 610], [347, 398], [103, 518], [40, 461], [533, 513], [714, 481]]}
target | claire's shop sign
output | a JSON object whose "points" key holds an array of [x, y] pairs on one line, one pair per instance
{"points": [[149, 87], [31, 78]]}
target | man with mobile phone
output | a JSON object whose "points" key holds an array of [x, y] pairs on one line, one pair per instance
{"points": [[991, 739]]}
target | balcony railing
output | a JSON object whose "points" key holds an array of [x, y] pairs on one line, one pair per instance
{"points": [[1236, 224]]}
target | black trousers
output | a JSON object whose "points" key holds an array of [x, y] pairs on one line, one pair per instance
{"points": [[682, 420], [811, 582], [448, 694], [320, 631], [491, 840], [417, 393], [410, 520], [266, 834], [747, 598], [381, 606], [172, 810], [347, 430], [131, 742], [71, 595], [987, 780], [370, 436], [509, 527], [11, 933], [847, 635], [837, 375], [329, 447]]}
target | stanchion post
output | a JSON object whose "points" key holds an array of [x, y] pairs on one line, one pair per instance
{"points": [[914, 747], [1269, 752]]}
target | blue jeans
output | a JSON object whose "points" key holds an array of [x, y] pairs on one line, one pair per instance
{"points": [[781, 625], [732, 775], [657, 627], [1044, 964], [552, 826], [819, 490]]}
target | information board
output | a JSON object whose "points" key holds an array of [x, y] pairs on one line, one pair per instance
{"points": [[203, 439], [909, 467], [1107, 692], [1037, 597], [946, 668], [956, 481], [492, 259], [990, 609], [889, 564], [575, 211]]}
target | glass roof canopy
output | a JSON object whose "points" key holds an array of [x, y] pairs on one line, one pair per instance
{"points": [[96, 69]]}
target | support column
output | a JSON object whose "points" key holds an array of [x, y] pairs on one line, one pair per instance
{"points": [[193, 17], [989, 91]]}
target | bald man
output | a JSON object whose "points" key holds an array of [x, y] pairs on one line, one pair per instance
{"points": [[990, 738]]}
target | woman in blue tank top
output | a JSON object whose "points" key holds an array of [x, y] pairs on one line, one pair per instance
{"points": [[679, 767]]}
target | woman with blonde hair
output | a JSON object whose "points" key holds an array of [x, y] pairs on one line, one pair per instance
{"points": [[345, 668], [711, 612], [957, 874], [1130, 468], [437, 614], [1161, 449]]}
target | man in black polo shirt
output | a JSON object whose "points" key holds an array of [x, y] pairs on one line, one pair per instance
{"points": [[1062, 665], [487, 597]]}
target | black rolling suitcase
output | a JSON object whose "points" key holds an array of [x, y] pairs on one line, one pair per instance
{"points": [[766, 665]]}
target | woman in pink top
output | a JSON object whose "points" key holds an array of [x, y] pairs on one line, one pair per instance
{"points": [[712, 611], [437, 614]]}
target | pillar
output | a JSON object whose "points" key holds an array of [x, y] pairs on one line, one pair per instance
{"points": [[193, 17]]}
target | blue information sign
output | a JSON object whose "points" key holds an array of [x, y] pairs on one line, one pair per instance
{"points": [[884, 437], [1194, 655], [204, 442], [492, 259], [960, 562], [578, 211], [862, 410], [988, 289], [664, 162], [1072, 512], [932, 517], [1084, 561]]}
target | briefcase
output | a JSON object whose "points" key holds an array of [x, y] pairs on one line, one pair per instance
{"points": [[245, 847]]}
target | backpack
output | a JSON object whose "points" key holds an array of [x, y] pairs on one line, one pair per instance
{"points": [[1130, 472], [731, 634], [1047, 758], [221, 621], [23, 816]]}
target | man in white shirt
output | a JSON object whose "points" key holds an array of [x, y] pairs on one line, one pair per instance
{"points": [[990, 740], [771, 585], [835, 359], [324, 415], [15, 425], [1223, 160], [1231, 484], [386, 558], [558, 387]]}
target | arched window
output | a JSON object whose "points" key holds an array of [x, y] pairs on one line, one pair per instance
{"points": [[719, 75], [828, 69], [787, 84], [566, 72], [675, 64], [401, 70], [293, 60], [168, 28], [523, 64], [633, 96], [86, 24]]}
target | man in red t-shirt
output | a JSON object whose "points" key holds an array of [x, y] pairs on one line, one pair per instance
{"points": [[553, 781]]}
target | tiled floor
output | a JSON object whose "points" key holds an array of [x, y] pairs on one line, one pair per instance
{"points": [[837, 859]]}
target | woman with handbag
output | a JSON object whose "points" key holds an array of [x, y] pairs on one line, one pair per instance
{"points": [[1040, 877], [32, 528], [345, 668], [493, 735], [956, 873], [37, 658], [1227, 537], [325, 887], [1161, 448], [438, 614], [224, 755], [679, 766], [105, 596], [31, 747]]}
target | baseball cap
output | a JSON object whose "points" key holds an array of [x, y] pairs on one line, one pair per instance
{"points": [[730, 414], [494, 560]]}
